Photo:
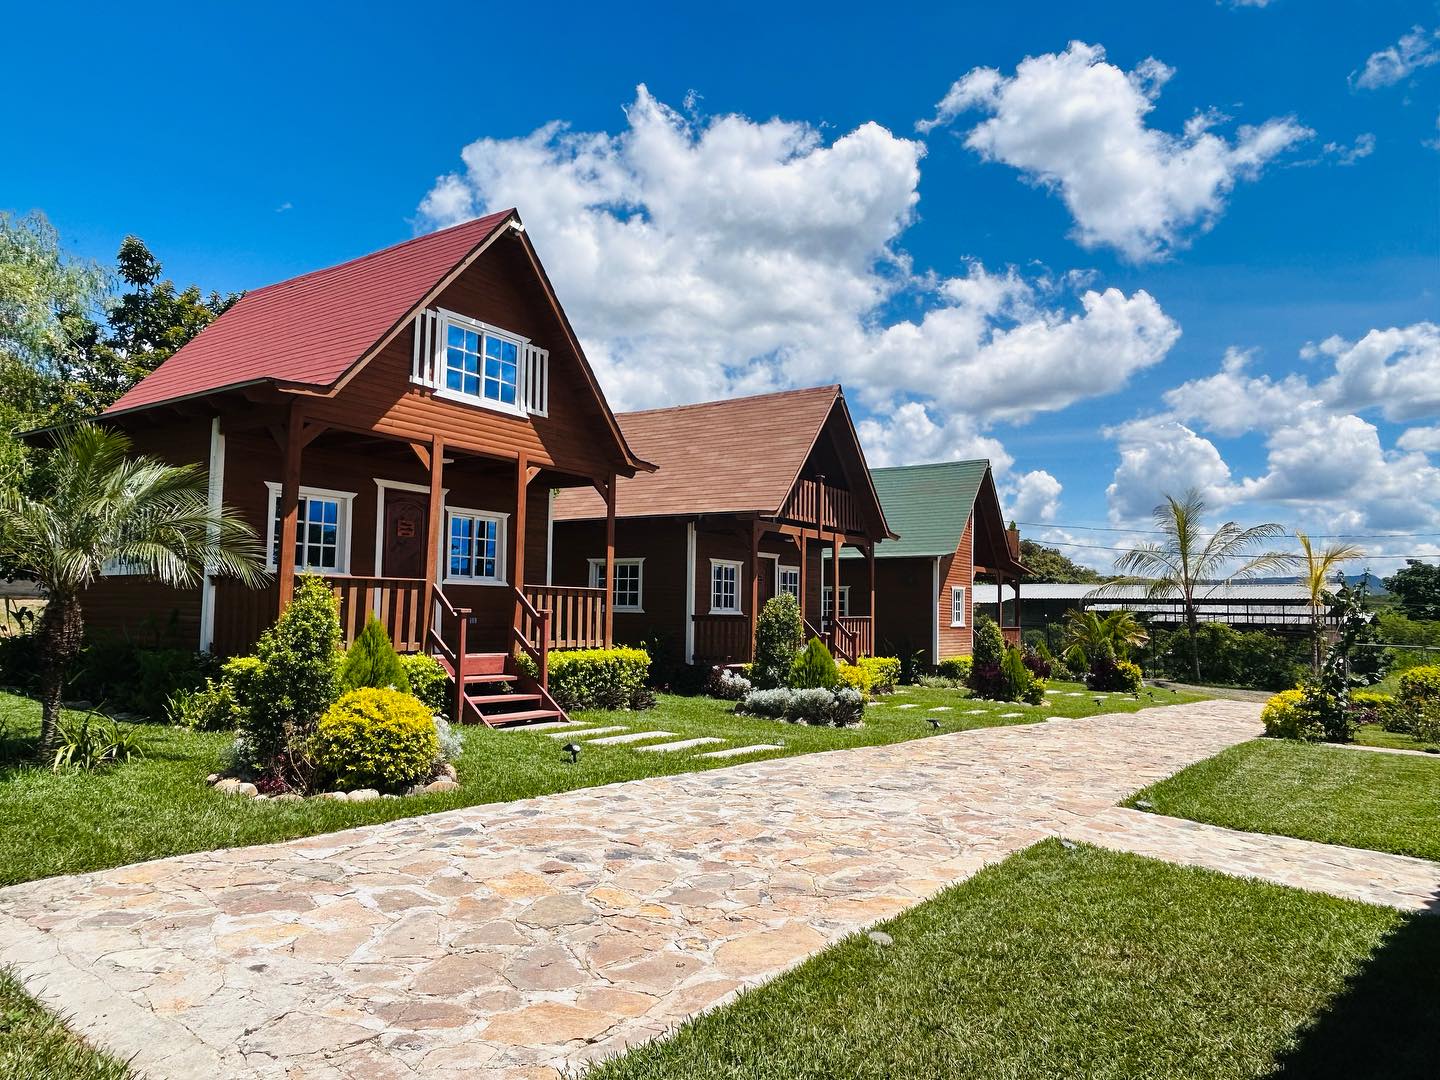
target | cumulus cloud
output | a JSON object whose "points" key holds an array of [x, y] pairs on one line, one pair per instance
{"points": [[1232, 402], [1424, 439], [1075, 124], [1420, 48], [1397, 369], [1034, 496], [701, 257], [1160, 455]]}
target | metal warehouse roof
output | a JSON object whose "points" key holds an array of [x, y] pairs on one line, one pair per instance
{"points": [[1252, 592]]}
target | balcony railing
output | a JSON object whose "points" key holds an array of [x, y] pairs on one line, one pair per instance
{"points": [[722, 639], [822, 506]]}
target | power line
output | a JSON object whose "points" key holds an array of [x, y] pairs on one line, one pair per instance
{"points": [[1288, 536], [1108, 547]]}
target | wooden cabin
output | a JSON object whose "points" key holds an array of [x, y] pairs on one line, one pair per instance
{"points": [[747, 495], [398, 422], [951, 528]]}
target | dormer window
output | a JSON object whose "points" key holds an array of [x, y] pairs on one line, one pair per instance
{"points": [[464, 359]]}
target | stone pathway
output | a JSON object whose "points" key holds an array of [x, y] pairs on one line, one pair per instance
{"points": [[515, 940]]}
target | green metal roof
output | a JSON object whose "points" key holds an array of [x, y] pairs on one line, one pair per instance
{"points": [[928, 505]]}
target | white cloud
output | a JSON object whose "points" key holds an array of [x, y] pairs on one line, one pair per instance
{"points": [[1034, 496], [1424, 439], [1160, 455], [1232, 402], [702, 257], [1362, 147], [1075, 124], [1396, 370], [1420, 48]]}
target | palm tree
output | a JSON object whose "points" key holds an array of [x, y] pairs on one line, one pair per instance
{"points": [[1319, 567], [1184, 563], [96, 504], [1091, 633]]}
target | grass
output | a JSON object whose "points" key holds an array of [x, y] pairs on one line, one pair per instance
{"points": [[1092, 964], [37, 1046], [65, 823], [1375, 735], [1386, 802]]}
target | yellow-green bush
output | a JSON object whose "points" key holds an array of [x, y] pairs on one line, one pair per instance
{"points": [[858, 677], [1416, 710], [599, 678], [427, 679], [884, 672], [1286, 716], [955, 667], [375, 738]]}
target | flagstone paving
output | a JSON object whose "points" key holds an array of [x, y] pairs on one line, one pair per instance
{"points": [[519, 939]]}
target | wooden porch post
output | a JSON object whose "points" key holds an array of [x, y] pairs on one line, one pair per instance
{"points": [[517, 561], [804, 576], [834, 589], [289, 508], [433, 532], [610, 561], [755, 534], [870, 558], [1000, 599]]}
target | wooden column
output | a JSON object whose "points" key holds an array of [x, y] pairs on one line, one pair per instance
{"points": [[289, 507], [755, 533], [834, 587], [610, 561], [804, 576], [517, 560], [435, 528], [1000, 599], [870, 558]]}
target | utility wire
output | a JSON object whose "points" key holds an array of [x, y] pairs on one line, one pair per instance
{"points": [[1290, 536]]}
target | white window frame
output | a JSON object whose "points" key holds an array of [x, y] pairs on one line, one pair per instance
{"points": [[502, 541], [739, 568], [597, 581], [445, 320], [957, 605], [826, 606], [344, 516], [781, 569]]}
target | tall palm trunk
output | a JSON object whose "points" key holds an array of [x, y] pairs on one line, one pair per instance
{"points": [[1192, 626], [61, 628]]}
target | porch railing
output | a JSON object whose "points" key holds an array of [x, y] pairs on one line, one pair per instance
{"points": [[399, 604], [854, 637], [533, 634], [823, 506], [577, 615], [722, 639], [1011, 634]]}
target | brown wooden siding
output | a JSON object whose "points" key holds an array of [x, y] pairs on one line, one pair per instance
{"points": [[958, 569]]}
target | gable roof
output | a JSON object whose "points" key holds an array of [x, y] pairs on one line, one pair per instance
{"points": [[307, 331], [928, 505], [718, 457]]}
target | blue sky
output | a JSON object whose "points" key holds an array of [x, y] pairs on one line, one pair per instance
{"points": [[765, 213]]}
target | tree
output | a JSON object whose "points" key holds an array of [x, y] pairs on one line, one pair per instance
{"points": [[147, 325], [1316, 574], [1048, 565], [1417, 587], [1185, 562], [1091, 634], [779, 635], [95, 504]]}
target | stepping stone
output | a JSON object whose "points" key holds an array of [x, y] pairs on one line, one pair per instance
{"points": [[976, 712], [912, 705], [683, 744], [549, 725], [940, 708], [637, 736], [1052, 691], [736, 751], [1008, 715], [585, 733]]}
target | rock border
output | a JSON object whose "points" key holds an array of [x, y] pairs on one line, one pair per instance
{"points": [[445, 779]]}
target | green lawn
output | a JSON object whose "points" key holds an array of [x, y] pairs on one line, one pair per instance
{"points": [[71, 822], [1375, 735], [1085, 963], [1387, 802], [35, 1046]]}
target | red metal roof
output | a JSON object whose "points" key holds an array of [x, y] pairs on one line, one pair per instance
{"points": [[307, 331]]}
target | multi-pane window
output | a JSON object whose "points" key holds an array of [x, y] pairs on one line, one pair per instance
{"points": [[957, 605], [724, 587], [629, 574], [481, 363], [321, 529], [787, 580], [476, 547], [827, 602]]}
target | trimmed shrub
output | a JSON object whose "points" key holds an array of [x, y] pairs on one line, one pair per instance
{"points": [[814, 668], [598, 678], [215, 708], [1286, 716], [1114, 676], [727, 685], [957, 668], [375, 738], [1416, 708], [808, 705], [1040, 663], [1370, 706], [297, 680], [779, 633], [427, 679], [884, 672], [989, 642], [857, 678], [373, 661]]}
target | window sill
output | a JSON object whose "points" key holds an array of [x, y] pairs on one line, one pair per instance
{"points": [[473, 581], [628, 610], [725, 611], [446, 394], [957, 626]]}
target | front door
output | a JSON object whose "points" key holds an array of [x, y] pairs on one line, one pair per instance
{"points": [[768, 573], [405, 536]]}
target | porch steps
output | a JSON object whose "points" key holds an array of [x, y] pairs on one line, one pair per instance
{"points": [[508, 719], [489, 698]]}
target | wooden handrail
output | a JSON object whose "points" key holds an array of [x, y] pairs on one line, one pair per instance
{"points": [[842, 641], [539, 651]]}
